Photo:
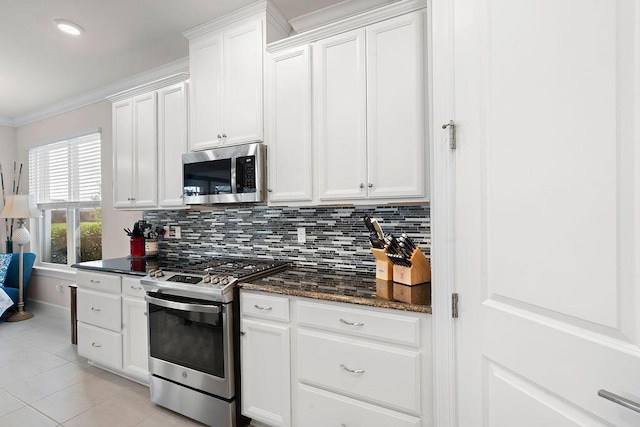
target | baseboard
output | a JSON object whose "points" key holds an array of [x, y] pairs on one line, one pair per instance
{"points": [[49, 309]]}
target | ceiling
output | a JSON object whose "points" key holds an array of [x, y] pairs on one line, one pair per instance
{"points": [[42, 66]]}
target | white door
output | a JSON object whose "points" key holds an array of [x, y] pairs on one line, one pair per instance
{"points": [[205, 96], [172, 143], [243, 74], [145, 145], [135, 336], [288, 76], [395, 108], [340, 103], [266, 388], [547, 210], [122, 113]]}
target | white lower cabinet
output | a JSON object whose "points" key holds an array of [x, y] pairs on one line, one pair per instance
{"points": [[265, 359], [112, 323], [347, 365]]}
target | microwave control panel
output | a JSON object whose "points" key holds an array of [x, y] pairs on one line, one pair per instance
{"points": [[246, 174]]}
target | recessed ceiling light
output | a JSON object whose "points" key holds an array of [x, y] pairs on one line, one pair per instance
{"points": [[68, 27]]}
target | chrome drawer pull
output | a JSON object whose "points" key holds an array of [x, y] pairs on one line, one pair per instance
{"points": [[136, 288], [353, 371], [95, 309], [622, 401], [351, 323], [94, 281], [262, 308], [95, 345]]}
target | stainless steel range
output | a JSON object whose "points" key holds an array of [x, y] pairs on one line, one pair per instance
{"points": [[194, 335]]}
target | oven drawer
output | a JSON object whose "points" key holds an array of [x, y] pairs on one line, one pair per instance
{"points": [[132, 287], [402, 329], [100, 345], [99, 309], [382, 374], [98, 281], [319, 408], [265, 306]]}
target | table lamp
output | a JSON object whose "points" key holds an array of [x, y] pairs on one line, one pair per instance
{"points": [[20, 206]]}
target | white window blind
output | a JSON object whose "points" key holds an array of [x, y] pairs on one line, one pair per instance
{"points": [[67, 173]]}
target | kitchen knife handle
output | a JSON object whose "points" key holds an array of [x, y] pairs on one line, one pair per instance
{"points": [[351, 323], [353, 371], [622, 401], [262, 308]]}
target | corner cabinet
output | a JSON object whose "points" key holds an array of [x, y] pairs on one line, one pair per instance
{"points": [[226, 66], [360, 137], [149, 138]]}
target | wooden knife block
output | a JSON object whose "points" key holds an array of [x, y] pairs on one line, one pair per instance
{"points": [[419, 272], [384, 267]]}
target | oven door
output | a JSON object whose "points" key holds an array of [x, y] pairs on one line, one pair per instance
{"points": [[190, 342]]}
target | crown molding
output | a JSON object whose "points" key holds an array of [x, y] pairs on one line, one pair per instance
{"points": [[100, 94], [357, 21], [334, 12], [6, 121], [227, 19], [148, 87], [278, 19]]}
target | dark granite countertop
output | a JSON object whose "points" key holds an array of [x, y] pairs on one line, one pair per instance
{"points": [[124, 265], [331, 285]]}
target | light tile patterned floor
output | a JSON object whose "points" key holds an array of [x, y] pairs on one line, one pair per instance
{"points": [[43, 382]]}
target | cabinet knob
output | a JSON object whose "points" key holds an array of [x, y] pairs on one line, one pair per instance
{"points": [[243, 333], [361, 185], [224, 135], [219, 136], [269, 190], [370, 185]]}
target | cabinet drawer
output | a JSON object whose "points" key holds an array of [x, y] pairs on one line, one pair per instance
{"points": [[265, 306], [100, 345], [365, 323], [382, 374], [99, 309], [98, 281], [132, 287], [319, 408]]}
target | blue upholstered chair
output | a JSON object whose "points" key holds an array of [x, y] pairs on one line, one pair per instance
{"points": [[11, 281]]}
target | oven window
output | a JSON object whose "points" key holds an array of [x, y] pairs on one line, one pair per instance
{"points": [[190, 339], [206, 178]]}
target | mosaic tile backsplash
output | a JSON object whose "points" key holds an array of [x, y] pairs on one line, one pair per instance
{"points": [[336, 236]]}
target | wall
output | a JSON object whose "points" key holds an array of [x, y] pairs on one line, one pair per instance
{"points": [[7, 157], [336, 236]]}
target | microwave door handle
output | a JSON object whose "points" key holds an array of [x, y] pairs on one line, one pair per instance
{"points": [[182, 306], [234, 161]]}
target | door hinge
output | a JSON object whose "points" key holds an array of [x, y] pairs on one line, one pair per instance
{"points": [[454, 305], [452, 133]]}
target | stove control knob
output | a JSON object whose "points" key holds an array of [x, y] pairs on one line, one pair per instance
{"points": [[224, 281], [206, 279], [159, 273], [216, 279]]}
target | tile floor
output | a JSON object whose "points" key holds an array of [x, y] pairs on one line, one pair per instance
{"points": [[43, 382]]}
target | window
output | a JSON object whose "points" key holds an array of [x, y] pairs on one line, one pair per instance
{"points": [[66, 180]]}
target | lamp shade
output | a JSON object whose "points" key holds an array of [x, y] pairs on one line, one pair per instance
{"points": [[20, 206]]}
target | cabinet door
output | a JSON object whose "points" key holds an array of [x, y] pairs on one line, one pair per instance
{"points": [[135, 356], [205, 66], [122, 114], [242, 91], [172, 143], [396, 150], [145, 146], [289, 125], [266, 388], [340, 113]]}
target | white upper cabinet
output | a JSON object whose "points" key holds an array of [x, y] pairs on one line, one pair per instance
{"points": [[289, 125], [396, 118], [368, 116], [172, 143], [226, 66], [149, 138], [134, 132], [340, 115]]}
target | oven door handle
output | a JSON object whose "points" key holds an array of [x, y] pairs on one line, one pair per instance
{"points": [[182, 306]]}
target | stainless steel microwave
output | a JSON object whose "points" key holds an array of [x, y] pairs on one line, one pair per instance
{"points": [[234, 174]]}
